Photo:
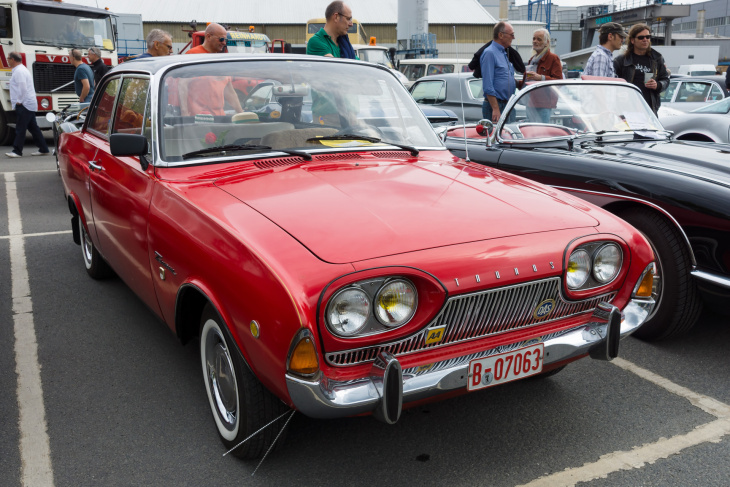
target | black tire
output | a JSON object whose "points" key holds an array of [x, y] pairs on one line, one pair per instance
{"points": [[95, 264], [7, 134], [240, 404], [678, 302]]}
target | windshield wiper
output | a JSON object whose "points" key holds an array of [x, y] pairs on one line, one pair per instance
{"points": [[409, 148], [237, 147]]}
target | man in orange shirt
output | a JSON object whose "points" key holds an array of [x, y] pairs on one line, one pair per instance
{"points": [[207, 94]]}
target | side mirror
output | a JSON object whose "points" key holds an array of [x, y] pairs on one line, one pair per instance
{"points": [[441, 132], [129, 145], [486, 127]]}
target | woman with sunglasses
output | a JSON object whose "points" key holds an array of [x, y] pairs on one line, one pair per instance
{"points": [[643, 66]]}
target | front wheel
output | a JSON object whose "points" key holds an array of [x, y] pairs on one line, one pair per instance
{"points": [[95, 264], [678, 304], [239, 402]]}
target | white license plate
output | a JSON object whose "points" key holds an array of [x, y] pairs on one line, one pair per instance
{"points": [[505, 367]]}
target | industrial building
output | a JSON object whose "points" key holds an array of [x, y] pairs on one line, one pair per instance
{"points": [[460, 26]]}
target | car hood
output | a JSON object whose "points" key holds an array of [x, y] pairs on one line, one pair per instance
{"points": [[699, 160], [347, 211]]}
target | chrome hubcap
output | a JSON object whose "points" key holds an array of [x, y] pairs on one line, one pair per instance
{"points": [[221, 379], [86, 246]]}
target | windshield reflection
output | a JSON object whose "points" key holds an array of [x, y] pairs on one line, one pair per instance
{"points": [[55, 28], [578, 108], [254, 107]]}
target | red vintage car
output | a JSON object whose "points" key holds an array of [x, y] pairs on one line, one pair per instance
{"points": [[342, 263]]}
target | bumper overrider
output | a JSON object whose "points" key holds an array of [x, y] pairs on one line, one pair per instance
{"points": [[389, 386]]}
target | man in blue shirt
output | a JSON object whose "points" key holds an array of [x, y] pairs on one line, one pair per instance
{"points": [[498, 76], [83, 77]]}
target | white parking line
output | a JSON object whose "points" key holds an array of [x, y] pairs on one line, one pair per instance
{"points": [[650, 452], [34, 445], [44, 234]]}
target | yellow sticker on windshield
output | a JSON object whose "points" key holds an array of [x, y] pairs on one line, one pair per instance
{"points": [[344, 143]]}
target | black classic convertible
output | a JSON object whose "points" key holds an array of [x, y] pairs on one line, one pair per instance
{"points": [[600, 141]]}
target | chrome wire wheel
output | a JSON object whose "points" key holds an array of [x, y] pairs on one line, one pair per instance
{"points": [[220, 379]]}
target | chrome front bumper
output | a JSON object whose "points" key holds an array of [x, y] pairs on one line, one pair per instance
{"points": [[388, 387]]}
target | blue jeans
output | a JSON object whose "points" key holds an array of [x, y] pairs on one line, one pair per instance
{"points": [[536, 115], [487, 110], [25, 120]]}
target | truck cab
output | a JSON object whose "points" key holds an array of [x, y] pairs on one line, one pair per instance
{"points": [[44, 32]]}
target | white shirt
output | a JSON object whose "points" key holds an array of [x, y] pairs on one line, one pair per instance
{"points": [[22, 90]]}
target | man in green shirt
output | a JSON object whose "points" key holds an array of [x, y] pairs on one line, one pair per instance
{"points": [[339, 21]]}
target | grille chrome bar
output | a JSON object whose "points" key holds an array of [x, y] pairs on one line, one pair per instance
{"points": [[478, 315]]}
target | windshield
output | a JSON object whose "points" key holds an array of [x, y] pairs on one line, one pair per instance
{"points": [[570, 108], [702, 73], [721, 107], [377, 56], [264, 106], [56, 28]]}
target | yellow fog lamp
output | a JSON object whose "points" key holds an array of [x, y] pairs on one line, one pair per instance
{"points": [[302, 358]]}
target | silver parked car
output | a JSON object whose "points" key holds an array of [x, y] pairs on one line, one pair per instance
{"points": [[687, 93], [443, 91], [708, 123]]}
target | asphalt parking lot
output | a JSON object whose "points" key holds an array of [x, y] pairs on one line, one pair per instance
{"points": [[123, 402]]}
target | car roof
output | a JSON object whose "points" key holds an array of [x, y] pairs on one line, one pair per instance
{"points": [[152, 65], [465, 75], [717, 78]]}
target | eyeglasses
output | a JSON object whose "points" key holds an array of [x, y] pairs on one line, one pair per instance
{"points": [[641, 38], [168, 46], [221, 39], [511, 34], [346, 18]]}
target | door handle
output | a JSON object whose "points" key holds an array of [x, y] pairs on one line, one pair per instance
{"points": [[93, 165]]}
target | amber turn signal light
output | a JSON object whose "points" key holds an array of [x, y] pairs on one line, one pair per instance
{"points": [[646, 286], [303, 359]]}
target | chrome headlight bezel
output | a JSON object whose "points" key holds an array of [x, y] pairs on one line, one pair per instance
{"points": [[379, 310], [590, 276], [339, 299], [578, 269], [374, 323], [600, 254]]}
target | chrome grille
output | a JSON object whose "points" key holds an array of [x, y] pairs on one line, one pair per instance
{"points": [[477, 315]]}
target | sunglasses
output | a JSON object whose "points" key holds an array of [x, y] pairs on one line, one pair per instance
{"points": [[221, 39], [641, 38]]}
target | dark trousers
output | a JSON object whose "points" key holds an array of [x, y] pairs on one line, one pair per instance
{"points": [[25, 120]]}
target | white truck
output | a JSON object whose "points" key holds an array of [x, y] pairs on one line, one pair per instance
{"points": [[44, 32]]}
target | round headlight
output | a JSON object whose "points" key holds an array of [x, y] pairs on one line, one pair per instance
{"points": [[579, 268], [607, 263], [45, 103], [348, 311], [395, 303]]}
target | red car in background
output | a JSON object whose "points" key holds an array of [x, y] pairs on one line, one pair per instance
{"points": [[342, 264]]}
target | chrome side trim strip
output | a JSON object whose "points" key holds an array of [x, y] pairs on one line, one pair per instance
{"points": [[713, 278], [322, 397]]}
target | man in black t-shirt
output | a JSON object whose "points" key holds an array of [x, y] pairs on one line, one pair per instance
{"points": [[643, 66]]}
